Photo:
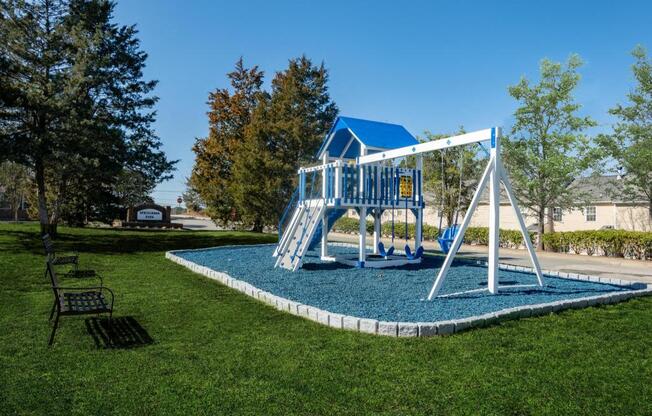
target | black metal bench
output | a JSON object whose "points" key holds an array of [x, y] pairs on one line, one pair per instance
{"points": [[58, 260], [90, 300], [72, 259]]}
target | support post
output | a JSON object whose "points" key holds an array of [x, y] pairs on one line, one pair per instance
{"points": [[324, 234], [494, 212], [362, 249], [418, 233], [324, 216], [338, 179], [324, 176], [361, 177], [418, 229], [302, 186], [377, 172], [420, 169], [376, 229]]}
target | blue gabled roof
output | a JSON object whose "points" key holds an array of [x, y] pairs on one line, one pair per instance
{"points": [[373, 134]]}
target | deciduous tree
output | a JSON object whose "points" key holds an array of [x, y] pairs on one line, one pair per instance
{"points": [[15, 185], [631, 142], [451, 175], [547, 148]]}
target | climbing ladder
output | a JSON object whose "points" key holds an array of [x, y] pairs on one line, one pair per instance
{"points": [[298, 235]]}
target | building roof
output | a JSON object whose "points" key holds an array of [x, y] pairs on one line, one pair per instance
{"points": [[604, 188], [348, 134], [595, 188]]}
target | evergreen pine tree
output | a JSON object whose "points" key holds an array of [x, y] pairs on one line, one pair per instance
{"points": [[547, 148], [285, 132], [33, 72], [113, 106], [631, 142], [261, 176], [75, 108]]}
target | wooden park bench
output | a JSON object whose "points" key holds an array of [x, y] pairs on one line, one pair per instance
{"points": [[89, 300]]}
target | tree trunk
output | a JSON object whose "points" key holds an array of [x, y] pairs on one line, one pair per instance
{"points": [[15, 203], [46, 227], [449, 219], [541, 230], [54, 218], [258, 226], [56, 208], [551, 222]]}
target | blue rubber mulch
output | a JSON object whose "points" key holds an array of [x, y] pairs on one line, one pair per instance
{"points": [[394, 294]]}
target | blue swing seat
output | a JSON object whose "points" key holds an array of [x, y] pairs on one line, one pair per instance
{"points": [[417, 254], [447, 238], [381, 250]]}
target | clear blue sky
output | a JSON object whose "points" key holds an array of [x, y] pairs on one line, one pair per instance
{"points": [[424, 64]]}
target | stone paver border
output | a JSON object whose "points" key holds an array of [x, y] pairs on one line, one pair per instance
{"points": [[422, 329]]}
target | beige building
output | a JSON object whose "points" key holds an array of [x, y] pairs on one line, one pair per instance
{"points": [[603, 212]]}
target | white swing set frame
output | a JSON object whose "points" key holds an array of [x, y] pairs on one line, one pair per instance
{"points": [[494, 174]]}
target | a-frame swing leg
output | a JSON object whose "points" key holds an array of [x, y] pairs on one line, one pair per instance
{"points": [[494, 220], [459, 237], [526, 235]]}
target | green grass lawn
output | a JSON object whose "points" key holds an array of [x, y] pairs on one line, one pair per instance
{"points": [[216, 351]]}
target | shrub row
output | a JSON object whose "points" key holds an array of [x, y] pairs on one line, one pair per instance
{"points": [[612, 243], [508, 238], [350, 226], [473, 235]]}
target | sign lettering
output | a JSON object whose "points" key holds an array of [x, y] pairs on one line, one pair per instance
{"points": [[149, 215]]}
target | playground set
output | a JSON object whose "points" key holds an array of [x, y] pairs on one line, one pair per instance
{"points": [[360, 170]]}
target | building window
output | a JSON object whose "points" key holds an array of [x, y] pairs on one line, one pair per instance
{"points": [[556, 214], [590, 213]]}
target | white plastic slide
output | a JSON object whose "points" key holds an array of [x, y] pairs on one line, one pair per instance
{"points": [[296, 239]]}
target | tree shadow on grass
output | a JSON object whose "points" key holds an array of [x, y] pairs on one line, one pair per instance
{"points": [[427, 262], [554, 292], [118, 333], [114, 241], [325, 266]]}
